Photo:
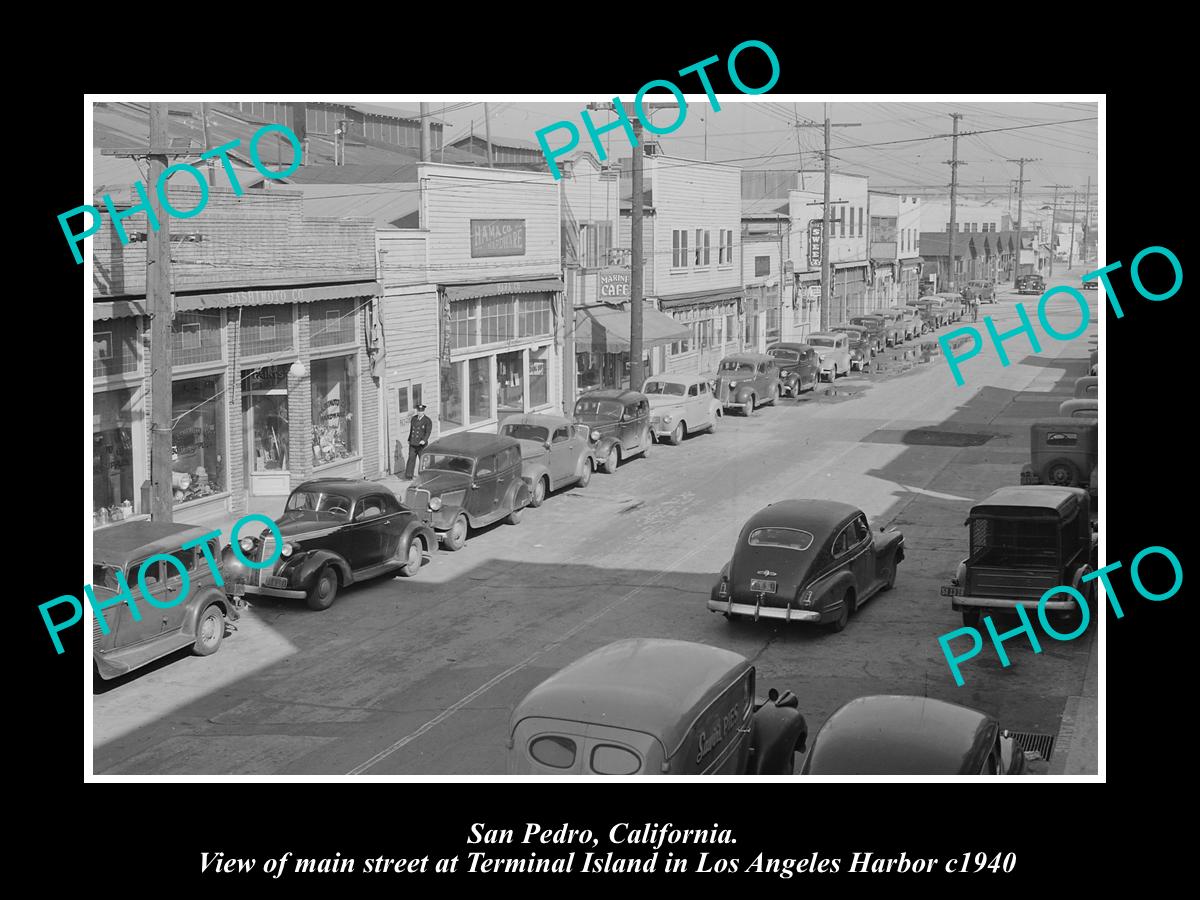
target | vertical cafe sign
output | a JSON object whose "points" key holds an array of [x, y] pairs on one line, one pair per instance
{"points": [[497, 237]]}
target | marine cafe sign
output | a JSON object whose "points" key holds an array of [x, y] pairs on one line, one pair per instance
{"points": [[613, 285]]}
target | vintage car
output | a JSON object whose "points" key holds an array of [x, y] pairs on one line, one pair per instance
{"points": [[469, 480], [618, 424], [195, 619], [1062, 452], [555, 452], [813, 561], [1080, 408], [952, 306], [1030, 284], [900, 324], [896, 735], [336, 532], [932, 309], [798, 367], [646, 706], [1087, 386], [747, 381], [979, 291], [1089, 285], [833, 353], [880, 330], [1094, 363], [1023, 542], [861, 350], [681, 405]]}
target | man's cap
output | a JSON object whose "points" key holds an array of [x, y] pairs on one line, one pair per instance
{"points": [[421, 407]]}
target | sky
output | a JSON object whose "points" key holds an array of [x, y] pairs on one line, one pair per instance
{"points": [[759, 133]]}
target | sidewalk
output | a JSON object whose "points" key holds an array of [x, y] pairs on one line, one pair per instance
{"points": [[1076, 750]]}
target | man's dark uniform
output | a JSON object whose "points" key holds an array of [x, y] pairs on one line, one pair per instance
{"points": [[418, 436]]}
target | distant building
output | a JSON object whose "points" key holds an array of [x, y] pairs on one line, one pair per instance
{"points": [[970, 218], [507, 152]]}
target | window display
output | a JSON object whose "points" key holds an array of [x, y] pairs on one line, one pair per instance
{"points": [[333, 406], [197, 438], [265, 410], [113, 494], [451, 407], [538, 377], [510, 394], [480, 375]]}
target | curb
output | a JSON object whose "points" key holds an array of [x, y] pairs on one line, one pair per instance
{"points": [[1076, 747]]}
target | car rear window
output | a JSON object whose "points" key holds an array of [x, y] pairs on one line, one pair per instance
{"points": [[787, 538], [609, 759], [663, 387], [553, 750], [787, 356], [598, 408], [524, 432], [821, 341]]}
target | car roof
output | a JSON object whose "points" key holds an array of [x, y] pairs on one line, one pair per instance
{"points": [[676, 378], [1066, 421], [828, 334], [840, 325], [122, 544], [788, 345], [652, 685], [748, 357], [350, 487], [902, 735], [473, 442], [612, 394], [1044, 498], [817, 516], [545, 419], [1080, 403]]}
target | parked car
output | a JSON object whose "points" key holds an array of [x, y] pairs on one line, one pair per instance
{"points": [[1089, 285], [833, 353], [859, 343], [747, 381], [878, 328], [336, 532], [618, 425], [1094, 363], [1062, 452], [555, 452], [897, 735], [910, 321], [798, 367], [195, 620], [681, 405], [952, 306], [655, 707], [813, 561], [1087, 386], [469, 480], [1023, 542], [899, 325], [980, 291], [1030, 284], [1080, 408], [932, 311]]}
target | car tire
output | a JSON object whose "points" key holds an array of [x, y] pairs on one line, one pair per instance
{"points": [[1061, 472], [712, 426], [775, 396], [414, 558], [612, 460], [889, 577], [210, 629], [586, 475], [514, 516], [676, 436], [324, 589], [538, 495], [815, 383], [971, 618], [456, 537], [843, 618], [750, 406]]}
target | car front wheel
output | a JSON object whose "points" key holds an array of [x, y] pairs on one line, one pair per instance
{"points": [[539, 493], [324, 589], [676, 434], [412, 562], [456, 537], [210, 629], [586, 475], [612, 460]]}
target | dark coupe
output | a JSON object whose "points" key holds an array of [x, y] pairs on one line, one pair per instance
{"points": [[799, 368], [336, 531], [811, 561]]}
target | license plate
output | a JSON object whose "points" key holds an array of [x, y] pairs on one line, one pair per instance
{"points": [[951, 591], [274, 581], [762, 587]]}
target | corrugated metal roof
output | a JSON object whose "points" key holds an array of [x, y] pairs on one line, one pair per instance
{"points": [[401, 172], [764, 208], [391, 204]]}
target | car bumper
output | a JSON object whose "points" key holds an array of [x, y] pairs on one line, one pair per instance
{"points": [[790, 614], [265, 591], [729, 404], [1052, 606], [662, 429]]}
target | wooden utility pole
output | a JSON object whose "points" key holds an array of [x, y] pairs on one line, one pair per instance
{"points": [[953, 163], [487, 131], [1020, 200], [1053, 216], [161, 306], [425, 157], [212, 172], [1087, 219], [636, 375], [1074, 209]]}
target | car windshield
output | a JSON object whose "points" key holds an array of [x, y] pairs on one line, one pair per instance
{"points": [[447, 462], [524, 432], [591, 408], [822, 341], [787, 538], [319, 502], [739, 368], [669, 388], [787, 356]]}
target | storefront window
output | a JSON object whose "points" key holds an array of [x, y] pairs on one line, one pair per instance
{"points": [[496, 319], [479, 379], [510, 391], [113, 494], [451, 406], [266, 329], [333, 406], [538, 377], [197, 438], [196, 337], [331, 322], [265, 410], [464, 324], [535, 316], [114, 347]]}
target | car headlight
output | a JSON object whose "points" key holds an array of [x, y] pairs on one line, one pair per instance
{"points": [[247, 544], [595, 435], [667, 420], [805, 599], [286, 550], [733, 384], [786, 372], [435, 503]]}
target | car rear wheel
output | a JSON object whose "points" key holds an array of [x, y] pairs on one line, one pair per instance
{"points": [[586, 475], [539, 493], [412, 562], [775, 395], [712, 426], [514, 517], [888, 576], [676, 434], [612, 460], [456, 537], [210, 629], [843, 615], [324, 589]]}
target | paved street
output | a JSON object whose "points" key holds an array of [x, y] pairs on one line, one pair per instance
{"points": [[418, 676]]}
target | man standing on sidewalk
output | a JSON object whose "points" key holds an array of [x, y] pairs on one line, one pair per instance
{"points": [[418, 436]]}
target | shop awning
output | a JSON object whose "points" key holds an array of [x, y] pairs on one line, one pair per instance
{"points": [[912, 262], [115, 309], [605, 329], [496, 288], [698, 298]]}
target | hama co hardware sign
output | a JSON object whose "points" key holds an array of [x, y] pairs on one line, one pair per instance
{"points": [[497, 237]]}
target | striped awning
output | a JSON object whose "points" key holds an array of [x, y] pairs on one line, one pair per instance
{"points": [[499, 288], [115, 309]]}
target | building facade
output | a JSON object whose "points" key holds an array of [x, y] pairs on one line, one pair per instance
{"points": [[909, 247], [850, 271]]}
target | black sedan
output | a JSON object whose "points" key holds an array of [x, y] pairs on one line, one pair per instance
{"points": [[336, 531], [912, 736], [813, 561]]}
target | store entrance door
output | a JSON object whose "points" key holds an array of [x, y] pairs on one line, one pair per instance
{"points": [[265, 414]]}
